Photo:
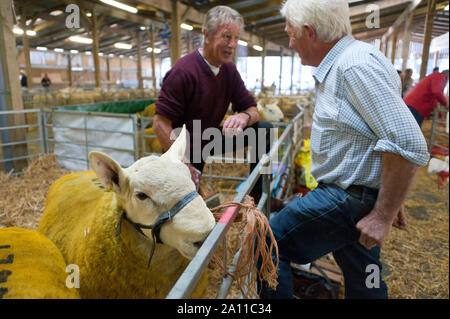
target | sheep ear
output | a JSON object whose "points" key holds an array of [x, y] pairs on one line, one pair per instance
{"points": [[178, 148], [108, 170]]}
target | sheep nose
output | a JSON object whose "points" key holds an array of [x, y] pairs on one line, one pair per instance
{"points": [[198, 244]]}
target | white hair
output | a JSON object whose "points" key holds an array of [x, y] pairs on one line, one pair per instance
{"points": [[329, 18], [218, 16]]}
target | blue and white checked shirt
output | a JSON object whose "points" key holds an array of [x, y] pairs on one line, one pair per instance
{"points": [[359, 115]]}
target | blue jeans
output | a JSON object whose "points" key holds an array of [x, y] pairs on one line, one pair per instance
{"points": [[325, 221], [417, 116]]}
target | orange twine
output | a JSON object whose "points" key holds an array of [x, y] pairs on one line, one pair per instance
{"points": [[255, 231]]}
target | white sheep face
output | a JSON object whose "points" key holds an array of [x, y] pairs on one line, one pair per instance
{"points": [[153, 185], [270, 112]]}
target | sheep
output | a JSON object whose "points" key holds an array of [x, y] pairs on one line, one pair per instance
{"points": [[83, 211], [31, 267], [270, 112]]}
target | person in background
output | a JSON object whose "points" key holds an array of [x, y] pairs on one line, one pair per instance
{"points": [[23, 79], [366, 149], [46, 82], [407, 82], [424, 97]]}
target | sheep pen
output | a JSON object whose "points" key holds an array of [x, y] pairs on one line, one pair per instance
{"points": [[416, 262]]}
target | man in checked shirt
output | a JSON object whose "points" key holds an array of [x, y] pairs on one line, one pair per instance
{"points": [[366, 149]]}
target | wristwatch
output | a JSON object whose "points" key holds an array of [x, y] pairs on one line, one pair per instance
{"points": [[249, 116]]}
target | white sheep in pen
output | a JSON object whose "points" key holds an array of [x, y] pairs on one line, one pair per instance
{"points": [[270, 112], [83, 217]]}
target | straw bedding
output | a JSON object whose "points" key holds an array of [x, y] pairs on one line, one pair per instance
{"points": [[416, 262]]}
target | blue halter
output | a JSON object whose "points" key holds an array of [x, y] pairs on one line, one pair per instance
{"points": [[156, 226]]}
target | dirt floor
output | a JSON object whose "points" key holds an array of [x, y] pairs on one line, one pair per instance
{"points": [[416, 262]]}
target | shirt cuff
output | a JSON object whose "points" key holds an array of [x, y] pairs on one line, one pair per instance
{"points": [[419, 157]]}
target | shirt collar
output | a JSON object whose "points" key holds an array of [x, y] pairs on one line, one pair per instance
{"points": [[321, 71], [213, 68]]}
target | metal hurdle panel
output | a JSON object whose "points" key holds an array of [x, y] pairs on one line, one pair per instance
{"points": [[187, 282], [34, 138], [71, 135]]}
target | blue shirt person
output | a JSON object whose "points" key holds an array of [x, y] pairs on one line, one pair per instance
{"points": [[366, 149]]}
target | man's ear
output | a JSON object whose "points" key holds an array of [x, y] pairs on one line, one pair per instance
{"points": [[310, 31], [108, 170]]}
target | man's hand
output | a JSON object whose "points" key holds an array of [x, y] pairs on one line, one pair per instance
{"points": [[195, 175], [235, 124], [400, 220], [374, 229]]}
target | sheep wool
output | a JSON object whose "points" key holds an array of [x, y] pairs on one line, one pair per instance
{"points": [[31, 267], [81, 218]]}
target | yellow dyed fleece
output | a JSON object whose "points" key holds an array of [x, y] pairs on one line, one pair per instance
{"points": [[81, 218]]}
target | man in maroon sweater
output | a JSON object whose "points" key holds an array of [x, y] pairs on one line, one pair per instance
{"points": [[201, 86], [423, 98]]}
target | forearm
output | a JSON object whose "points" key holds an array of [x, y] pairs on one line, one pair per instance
{"points": [[163, 128], [397, 178], [253, 111]]}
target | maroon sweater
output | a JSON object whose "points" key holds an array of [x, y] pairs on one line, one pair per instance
{"points": [[190, 91]]}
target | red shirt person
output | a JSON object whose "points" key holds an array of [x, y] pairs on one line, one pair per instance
{"points": [[423, 98]]}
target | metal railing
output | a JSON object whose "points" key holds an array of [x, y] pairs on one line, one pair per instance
{"points": [[436, 131], [51, 142], [32, 123], [187, 282]]}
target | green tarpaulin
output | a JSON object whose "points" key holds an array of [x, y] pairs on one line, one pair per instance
{"points": [[124, 107]]}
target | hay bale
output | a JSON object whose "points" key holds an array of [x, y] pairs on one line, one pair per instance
{"points": [[26, 210], [31, 267]]}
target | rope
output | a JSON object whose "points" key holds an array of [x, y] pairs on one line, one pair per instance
{"points": [[256, 228]]}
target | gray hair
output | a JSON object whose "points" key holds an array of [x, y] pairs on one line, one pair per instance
{"points": [[329, 18], [218, 16]]}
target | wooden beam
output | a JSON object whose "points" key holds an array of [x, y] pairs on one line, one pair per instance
{"points": [[394, 46], [406, 41], [402, 18], [26, 50], [95, 23], [12, 93], [69, 68], [263, 55], [427, 39], [175, 37], [151, 35], [382, 5], [139, 60], [108, 71], [198, 17]]}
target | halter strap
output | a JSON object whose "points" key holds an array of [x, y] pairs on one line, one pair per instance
{"points": [[156, 226]]}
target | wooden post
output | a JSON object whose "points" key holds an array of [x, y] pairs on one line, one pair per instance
{"points": [[292, 72], [175, 38], [406, 41], [26, 50], [151, 35], [386, 48], [108, 72], [11, 95], [427, 37], [69, 68], [394, 46], [121, 69], [263, 55], [139, 60], [281, 70], [95, 22]]}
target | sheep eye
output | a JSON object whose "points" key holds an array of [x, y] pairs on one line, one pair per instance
{"points": [[141, 196]]}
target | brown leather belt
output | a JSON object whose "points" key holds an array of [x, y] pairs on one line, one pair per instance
{"points": [[358, 191]]}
